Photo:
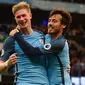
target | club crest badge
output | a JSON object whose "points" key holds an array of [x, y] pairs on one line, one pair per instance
{"points": [[47, 46], [41, 41]]}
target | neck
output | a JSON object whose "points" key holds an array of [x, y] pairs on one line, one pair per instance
{"points": [[27, 31], [55, 36]]}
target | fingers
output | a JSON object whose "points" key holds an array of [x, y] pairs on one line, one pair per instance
{"points": [[13, 32], [18, 27], [12, 59], [14, 54], [68, 69]]}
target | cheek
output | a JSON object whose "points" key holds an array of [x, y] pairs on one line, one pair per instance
{"points": [[16, 20], [56, 28]]}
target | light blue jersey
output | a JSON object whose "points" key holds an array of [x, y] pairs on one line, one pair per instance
{"points": [[54, 72], [57, 57], [31, 69]]}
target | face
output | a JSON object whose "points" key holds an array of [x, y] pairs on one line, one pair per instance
{"points": [[23, 18], [54, 24]]}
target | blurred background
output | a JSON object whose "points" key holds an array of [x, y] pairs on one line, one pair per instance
{"points": [[40, 10]]}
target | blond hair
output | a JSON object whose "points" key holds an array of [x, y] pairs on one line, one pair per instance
{"points": [[21, 5]]}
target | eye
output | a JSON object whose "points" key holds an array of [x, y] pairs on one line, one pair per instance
{"points": [[23, 15], [18, 17], [54, 20]]}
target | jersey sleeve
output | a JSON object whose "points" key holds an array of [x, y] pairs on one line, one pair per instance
{"points": [[8, 48], [53, 46]]}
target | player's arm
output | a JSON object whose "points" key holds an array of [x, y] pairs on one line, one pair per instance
{"points": [[6, 53], [3, 66], [54, 46], [8, 63]]}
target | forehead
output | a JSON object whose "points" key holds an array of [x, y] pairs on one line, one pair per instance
{"points": [[21, 12], [56, 16]]}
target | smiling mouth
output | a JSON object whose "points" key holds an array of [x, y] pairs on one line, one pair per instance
{"points": [[22, 23], [50, 28]]}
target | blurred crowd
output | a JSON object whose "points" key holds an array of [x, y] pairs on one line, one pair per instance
{"points": [[76, 40]]}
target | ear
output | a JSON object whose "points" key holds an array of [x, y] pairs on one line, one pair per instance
{"points": [[63, 26], [15, 20], [30, 15]]}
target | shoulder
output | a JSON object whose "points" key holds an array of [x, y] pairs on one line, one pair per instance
{"points": [[58, 43], [9, 40], [8, 48], [61, 39], [37, 33]]}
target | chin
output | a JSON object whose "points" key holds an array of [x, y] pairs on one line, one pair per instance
{"points": [[49, 33], [23, 27]]}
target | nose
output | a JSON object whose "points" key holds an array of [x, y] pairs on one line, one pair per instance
{"points": [[21, 18], [50, 24]]}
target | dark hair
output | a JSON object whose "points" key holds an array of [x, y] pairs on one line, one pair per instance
{"points": [[66, 17]]}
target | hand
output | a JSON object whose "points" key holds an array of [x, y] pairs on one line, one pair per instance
{"points": [[14, 31], [69, 69], [12, 60]]}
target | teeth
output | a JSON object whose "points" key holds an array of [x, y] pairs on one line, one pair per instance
{"points": [[22, 23], [25, 21]]}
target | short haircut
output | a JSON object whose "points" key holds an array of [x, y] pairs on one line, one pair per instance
{"points": [[21, 5], [66, 17]]}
